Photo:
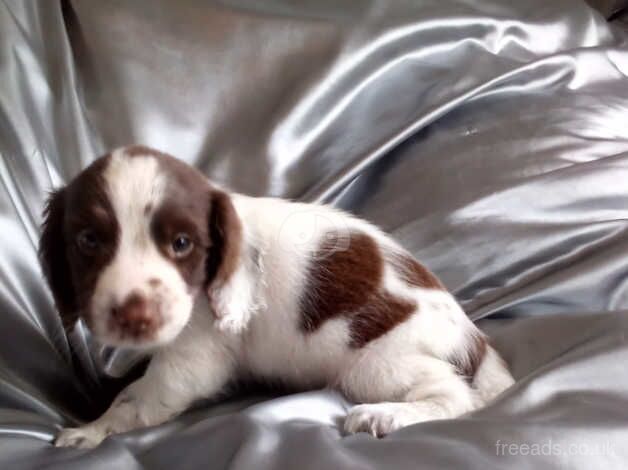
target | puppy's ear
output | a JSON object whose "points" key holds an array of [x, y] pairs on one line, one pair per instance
{"points": [[225, 232], [229, 285], [54, 261]]}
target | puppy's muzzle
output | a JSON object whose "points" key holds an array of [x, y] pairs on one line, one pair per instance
{"points": [[137, 317]]}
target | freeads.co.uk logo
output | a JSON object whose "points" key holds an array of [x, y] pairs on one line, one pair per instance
{"points": [[550, 447]]}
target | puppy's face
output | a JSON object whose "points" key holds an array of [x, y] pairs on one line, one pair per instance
{"points": [[131, 242]]}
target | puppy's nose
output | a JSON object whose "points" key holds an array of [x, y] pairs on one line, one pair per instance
{"points": [[134, 316]]}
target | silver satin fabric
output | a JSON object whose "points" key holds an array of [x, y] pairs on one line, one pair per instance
{"points": [[489, 137]]}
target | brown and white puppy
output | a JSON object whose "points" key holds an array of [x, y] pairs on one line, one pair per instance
{"points": [[219, 285]]}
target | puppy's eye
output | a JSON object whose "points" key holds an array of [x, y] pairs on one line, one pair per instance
{"points": [[181, 245], [87, 241]]}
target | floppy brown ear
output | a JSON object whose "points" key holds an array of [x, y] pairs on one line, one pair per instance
{"points": [[229, 284], [54, 260], [225, 232]]}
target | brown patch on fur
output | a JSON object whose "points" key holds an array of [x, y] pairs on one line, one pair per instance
{"points": [[206, 214], [54, 261], [345, 279], [468, 363], [174, 217], [225, 229], [383, 313], [340, 281], [412, 272], [72, 275], [154, 282]]}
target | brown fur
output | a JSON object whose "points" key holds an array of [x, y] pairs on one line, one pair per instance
{"points": [[340, 281], [226, 235], [383, 313], [170, 219], [207, 214], [348, 282], [412, 272], [191, 201], [54, 261], [71, 274]]}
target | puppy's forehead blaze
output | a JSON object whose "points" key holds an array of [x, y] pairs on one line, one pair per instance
{"points": [[133, 184], [156, 196]]}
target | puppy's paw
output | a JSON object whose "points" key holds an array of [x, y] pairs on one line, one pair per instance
{"points": [[86, 437], [380, 419]]}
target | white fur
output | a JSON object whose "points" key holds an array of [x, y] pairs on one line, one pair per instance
{"points": [[403, 377]]}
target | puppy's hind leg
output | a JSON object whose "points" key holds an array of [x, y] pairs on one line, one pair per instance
{"points": [[438, 393]]}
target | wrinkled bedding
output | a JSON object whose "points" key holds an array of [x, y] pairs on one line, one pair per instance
{"points": [[489, 137]]}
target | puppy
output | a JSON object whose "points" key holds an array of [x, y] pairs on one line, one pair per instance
{"points": [[150, 254]]}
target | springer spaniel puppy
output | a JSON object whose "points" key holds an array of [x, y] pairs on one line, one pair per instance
{"points": [[150, 254]]}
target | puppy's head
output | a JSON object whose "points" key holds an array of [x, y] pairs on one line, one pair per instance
{"points": [[132, 241]]}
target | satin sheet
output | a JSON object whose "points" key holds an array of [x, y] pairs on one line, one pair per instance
{"points": [[489, 137]]}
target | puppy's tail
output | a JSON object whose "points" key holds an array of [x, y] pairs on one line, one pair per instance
{"points": [[492, 377]]}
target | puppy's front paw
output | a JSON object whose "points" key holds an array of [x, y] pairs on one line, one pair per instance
{"points": [[380, 419], [86, 437]]}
